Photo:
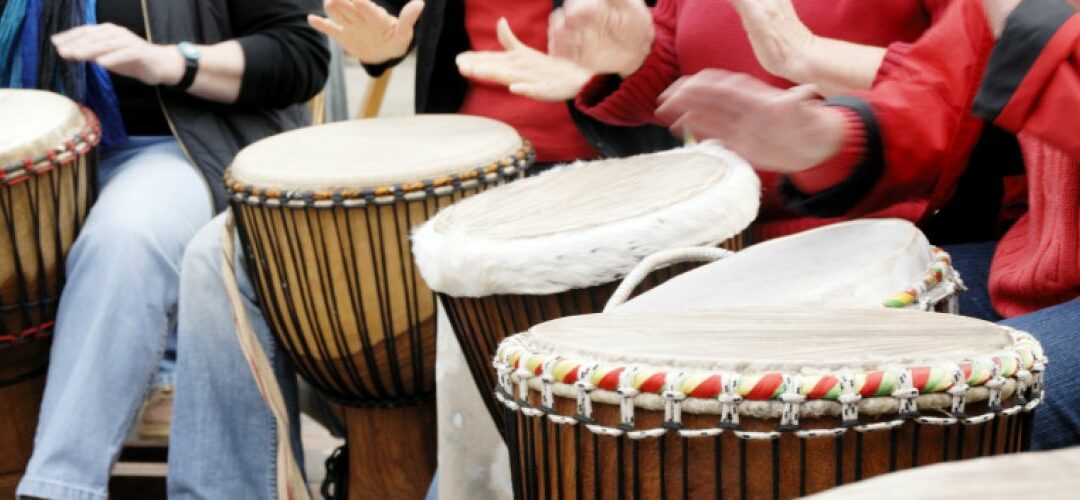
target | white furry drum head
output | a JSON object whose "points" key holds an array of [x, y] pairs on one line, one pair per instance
{"points": [[764, 339], [373, 153], [33, 122], [857, 263], [586, 224]]}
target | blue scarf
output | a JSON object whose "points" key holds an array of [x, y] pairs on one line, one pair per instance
{"points": [[28, 59]]}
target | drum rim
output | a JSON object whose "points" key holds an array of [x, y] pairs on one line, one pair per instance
{"points": [[59, 156], [1023, 354], [512, 165]]}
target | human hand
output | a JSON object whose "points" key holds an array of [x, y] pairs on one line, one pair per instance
{"points": [[526, 71], [777, 130], [117, 49], [781, 42], [603, 36], [366, 30]]}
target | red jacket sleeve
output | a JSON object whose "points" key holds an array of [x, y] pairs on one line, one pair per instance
{"points": [[632, 101], [918, 127], [1033, 81]]}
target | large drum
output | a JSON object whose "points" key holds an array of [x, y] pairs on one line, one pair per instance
{"points": [[869, 262], [551, 246], [324, 215], [46, 187], [757, 402]]}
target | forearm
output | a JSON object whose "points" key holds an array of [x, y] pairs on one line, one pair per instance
{"points": [[836, 66], [221, 71]]}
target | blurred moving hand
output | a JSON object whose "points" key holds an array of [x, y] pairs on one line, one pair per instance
{"points": [[526, 71], [604, 36], [117, 49], [777, 130], [781, 42], [366, 30]]}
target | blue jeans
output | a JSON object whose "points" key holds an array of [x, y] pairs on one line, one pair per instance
{"points": [[115, 315], [1057, 420], [224, 437]]}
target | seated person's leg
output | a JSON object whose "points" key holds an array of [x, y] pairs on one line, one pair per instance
{"points": [[224, 438], [972, 261], [1057, 419], [122, 281]]}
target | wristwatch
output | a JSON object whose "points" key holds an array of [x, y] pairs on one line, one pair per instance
{"points": [[191, 64]]}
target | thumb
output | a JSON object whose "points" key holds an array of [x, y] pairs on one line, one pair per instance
{"points": [[506, 35], [410, 13]]}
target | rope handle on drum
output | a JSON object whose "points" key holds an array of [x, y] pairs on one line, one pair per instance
{"points": [[290, 481], [659, 260]]}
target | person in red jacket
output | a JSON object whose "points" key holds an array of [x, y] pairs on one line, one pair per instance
{"points": [[635, 53], [900, 140]]}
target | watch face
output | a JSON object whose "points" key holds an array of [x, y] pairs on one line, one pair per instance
{"points": [[188, 50]]}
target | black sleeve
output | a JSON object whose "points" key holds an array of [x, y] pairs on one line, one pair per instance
{"points": [[285, 60], [842, 198]]}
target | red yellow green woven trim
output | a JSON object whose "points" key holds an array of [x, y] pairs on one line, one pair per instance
{"points": [[941, 271], [59, 156], [511, 166], [1023, 355]]}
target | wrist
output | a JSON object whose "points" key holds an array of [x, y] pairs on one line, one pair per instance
{"points": [[635, 63], [169, 65], [800, 68]]}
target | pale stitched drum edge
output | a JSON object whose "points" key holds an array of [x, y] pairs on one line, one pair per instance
{"points": [[58, 156], [946, 389], [476, 267], [511, 166]]}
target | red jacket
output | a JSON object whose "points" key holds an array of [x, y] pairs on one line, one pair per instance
{"points": [[904, 138], [692, 35]]}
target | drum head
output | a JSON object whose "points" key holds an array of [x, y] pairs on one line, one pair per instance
{"points": [[369, 154], [850, 264], [770, 339], [35, 122], [587, 223]]}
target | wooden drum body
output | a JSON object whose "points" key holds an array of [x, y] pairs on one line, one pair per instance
{"points": [[757, 403], [551, 246], [324, 215], [47, 185]]}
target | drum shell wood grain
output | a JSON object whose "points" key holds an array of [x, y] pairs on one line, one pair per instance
{"points": [[547, 463], [481, 323], [40, 217], [341, 293], [23, 366], [405, 439]]}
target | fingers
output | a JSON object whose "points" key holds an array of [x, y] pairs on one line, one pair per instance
{"points": [[541, 91], [800, 93], [494, 67], [325, 26], [342, 11], [506, 35], [411, 13], [91, 43]]}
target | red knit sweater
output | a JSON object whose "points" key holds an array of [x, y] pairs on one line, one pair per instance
{"points": [[920, 122], [692, 35]]}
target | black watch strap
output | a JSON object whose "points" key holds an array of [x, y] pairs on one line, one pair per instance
{"points": [[191, 67]]}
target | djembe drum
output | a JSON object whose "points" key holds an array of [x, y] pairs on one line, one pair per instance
{"points": [[47, 185], [757, 402], [324, 215], [556, 245], [868, 262]]}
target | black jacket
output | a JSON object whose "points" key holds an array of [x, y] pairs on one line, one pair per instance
{"points": [[268, 30], [440, 36]]}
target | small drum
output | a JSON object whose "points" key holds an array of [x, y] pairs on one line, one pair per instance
{"points": [[324, 215], [757, 402], [47, 184], [551, 246], [868, 262]]}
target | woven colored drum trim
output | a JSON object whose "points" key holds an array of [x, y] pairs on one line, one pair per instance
{"points": [[940, 270], [60, 156], [1023, 355], [510, 166], [36, 332]]}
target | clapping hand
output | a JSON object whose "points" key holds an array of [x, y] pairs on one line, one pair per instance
{"points": [[603, 36], [366, 30], [526, 71]]}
